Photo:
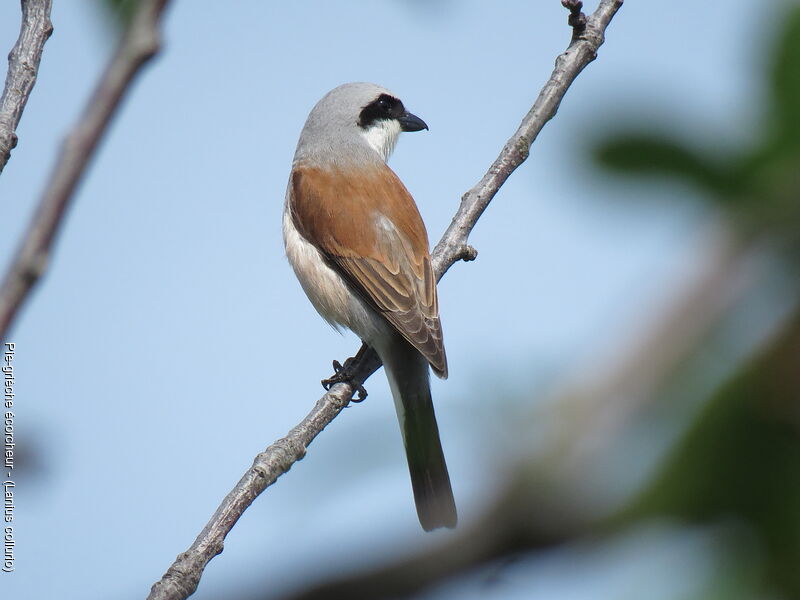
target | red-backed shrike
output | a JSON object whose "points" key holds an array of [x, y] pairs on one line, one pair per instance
{"points": [[359, 247]]}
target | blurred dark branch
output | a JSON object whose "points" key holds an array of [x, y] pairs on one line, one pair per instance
{"points": [[521, 519], [23, 65], [183, 576], [138, 45]]}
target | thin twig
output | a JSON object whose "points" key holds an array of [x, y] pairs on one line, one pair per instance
{"points": [[23, 66], [576, 20], [139, 43], [183, 576]]}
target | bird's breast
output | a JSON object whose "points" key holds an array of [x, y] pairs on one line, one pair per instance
{"points": [[326, 289]]}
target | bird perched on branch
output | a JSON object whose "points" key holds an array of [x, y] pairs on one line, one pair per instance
{"points": [[358, 245]]}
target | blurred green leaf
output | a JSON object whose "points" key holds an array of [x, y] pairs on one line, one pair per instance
{"points": [[758, 186], [741, 458], [645, 154], [784, 114]]}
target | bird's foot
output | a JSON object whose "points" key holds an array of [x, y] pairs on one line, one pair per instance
{"points": [[345, 374]]}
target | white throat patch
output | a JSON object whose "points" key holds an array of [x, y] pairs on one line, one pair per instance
{"points": [[382, 136]]}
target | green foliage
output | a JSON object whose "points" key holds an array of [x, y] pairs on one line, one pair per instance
{"points": [[784, 80], [759, 186], [741, 459], [644, 154]]}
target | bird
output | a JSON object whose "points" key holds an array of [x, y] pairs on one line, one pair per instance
{"points": [[357, 243]]}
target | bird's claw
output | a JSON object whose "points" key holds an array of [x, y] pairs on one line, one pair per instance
{"points": [[344, 374]]}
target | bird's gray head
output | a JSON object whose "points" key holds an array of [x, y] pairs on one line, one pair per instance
{"points": [[353, 119]]}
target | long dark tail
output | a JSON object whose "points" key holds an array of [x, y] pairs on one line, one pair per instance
{"points": [[407, 371]]}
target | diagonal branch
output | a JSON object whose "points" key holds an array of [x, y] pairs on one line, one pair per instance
{"points": [[581, 51], [139, 43], [183, 576], [23, 66]]}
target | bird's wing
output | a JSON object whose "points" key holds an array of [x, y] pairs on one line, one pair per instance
{"points": [[368, 227]]}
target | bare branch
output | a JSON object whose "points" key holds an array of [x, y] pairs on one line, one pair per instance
{"points": [[581, 51], [23, 65], [182, 578], [139, 43]]}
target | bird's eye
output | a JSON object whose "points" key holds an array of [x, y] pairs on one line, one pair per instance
{"points": [[382, 108]]}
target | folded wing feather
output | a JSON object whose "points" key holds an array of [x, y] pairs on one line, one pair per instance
{"points": [[370, 230]]}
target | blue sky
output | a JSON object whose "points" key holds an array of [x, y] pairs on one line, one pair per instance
{"points": [[170, 342]]}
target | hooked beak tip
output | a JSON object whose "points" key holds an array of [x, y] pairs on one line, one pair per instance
{"points": [[411, 122]]}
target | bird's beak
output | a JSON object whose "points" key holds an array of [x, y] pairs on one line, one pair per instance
{"points": [[409, 122]]}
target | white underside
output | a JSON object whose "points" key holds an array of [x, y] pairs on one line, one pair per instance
{"points": [[328, 292]]}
